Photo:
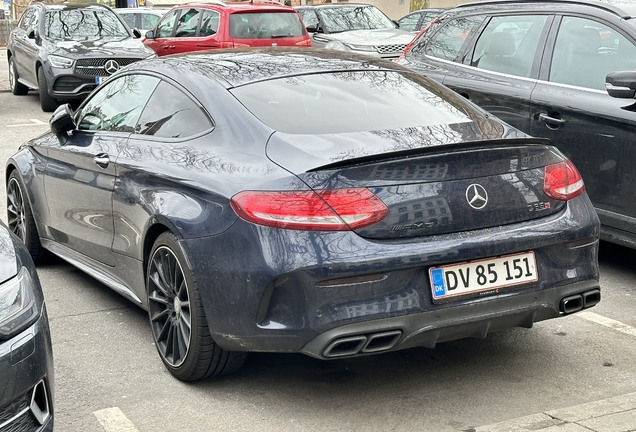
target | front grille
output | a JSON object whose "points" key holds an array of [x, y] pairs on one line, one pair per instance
{"points": [[25, 422], [395, 48], [95, 66]]}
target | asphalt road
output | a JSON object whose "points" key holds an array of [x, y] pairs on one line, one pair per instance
{"points": [[109, 376]]}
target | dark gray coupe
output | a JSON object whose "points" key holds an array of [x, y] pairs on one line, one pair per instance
{"points": [[304, 201]]}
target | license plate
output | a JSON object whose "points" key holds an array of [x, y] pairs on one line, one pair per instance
{"points": [[99, 80], [482, 277]]}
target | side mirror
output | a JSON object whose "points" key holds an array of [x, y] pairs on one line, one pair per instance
{"points": [[62, 120], [150, 34], [314, 29], [31, 34], [621, 84], [136, 33]]}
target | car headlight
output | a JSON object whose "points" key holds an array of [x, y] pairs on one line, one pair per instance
{"points": [[19, 304], [60, 62], [362, 47], [337, 45]]}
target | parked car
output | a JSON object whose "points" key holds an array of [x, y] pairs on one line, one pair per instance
{"points": [[26, 359], [142, 18], [196, 27], [242, 199], [354, 27], [64, 51], [416, 21], [541, 67]]}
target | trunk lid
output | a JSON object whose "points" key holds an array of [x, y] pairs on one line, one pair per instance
{"points": [[432, 191]]}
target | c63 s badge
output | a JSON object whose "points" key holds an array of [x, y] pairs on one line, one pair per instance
{"points": [[538, 206]]}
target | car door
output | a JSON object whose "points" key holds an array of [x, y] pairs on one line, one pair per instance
{"points": [[185, 32], [571, 107], [162, 140], [436, 52], [500, 69], [163, 34], [80, 171]]}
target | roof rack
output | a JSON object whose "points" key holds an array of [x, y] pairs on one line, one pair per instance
{"points": [[601, 5]]}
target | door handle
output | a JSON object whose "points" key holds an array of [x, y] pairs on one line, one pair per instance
{"points": [[102, 160], [551, 121]]}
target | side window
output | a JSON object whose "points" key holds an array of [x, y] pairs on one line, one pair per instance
{"points": [[409, 22], [117, 106], [447, 42], [309, 17], [209, 23], [187, 24], [25, 21], [586, 51], [172, 114], [508, 44], [148, 21], [164, 29], [129, 19]]}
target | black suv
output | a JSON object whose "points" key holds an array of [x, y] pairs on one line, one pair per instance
{"points": [[541, 66], [64, 51]]}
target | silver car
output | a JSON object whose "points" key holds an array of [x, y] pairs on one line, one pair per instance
{"points": [[354, 27], [142, 18]]}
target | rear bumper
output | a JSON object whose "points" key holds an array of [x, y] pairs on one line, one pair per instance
{"points": [[273, 290], [475, 320]]}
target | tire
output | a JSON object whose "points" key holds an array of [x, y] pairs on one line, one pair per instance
{"points": [[180, 329], [20, 219], [17, 88], [47, 102]]}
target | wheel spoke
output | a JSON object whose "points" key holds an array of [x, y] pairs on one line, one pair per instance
{"points": [[160, 316], [182, 338], [159, 283]]}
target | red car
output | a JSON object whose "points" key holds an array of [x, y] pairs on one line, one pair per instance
{"points": [[194, 26]]}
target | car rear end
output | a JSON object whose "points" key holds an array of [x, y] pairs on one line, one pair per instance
{"points": [[409, 218], [265, 24]]}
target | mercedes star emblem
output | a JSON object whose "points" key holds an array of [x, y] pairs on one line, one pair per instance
{"points": [[111, 67], [476, 196]]}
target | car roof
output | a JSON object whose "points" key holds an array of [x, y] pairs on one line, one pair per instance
{"points": [[233, 68], [333, 5], [238, 6], [72, 6], [623, 8]]}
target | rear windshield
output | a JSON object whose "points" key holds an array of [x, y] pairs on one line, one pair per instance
{"points": [[265, 25], [348, 101], [83, 24]]}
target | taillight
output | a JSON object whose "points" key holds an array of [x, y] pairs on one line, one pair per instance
{"points": [[322, 210], [562, 181], [306, 42]]}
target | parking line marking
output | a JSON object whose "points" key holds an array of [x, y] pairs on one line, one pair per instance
{"points": [[114, 420], [36, 122], [607, 322]]}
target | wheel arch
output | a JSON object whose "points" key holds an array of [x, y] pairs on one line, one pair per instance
{"points": [[152, 234]]}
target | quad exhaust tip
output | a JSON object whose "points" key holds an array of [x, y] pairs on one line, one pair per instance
{"points": [[575, 303], [362, 344]]}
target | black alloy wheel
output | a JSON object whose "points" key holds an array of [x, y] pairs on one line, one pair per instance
{"points": [[177, 317], [20, 218]]}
